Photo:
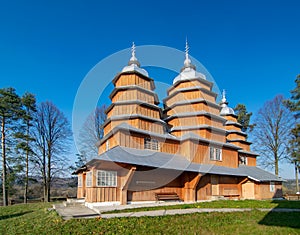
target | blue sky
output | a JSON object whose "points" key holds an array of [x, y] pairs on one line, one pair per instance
{"points": [[251, 48]]}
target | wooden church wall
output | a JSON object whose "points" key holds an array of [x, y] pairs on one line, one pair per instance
{"points": [[232, 127], [234, 136], [143, 187], [251, 161], [133, 109], [137, 123], [203, 190], [243, 145], [194, 120], [195, 107], [133, 79], [133, 94], [229, 158], [189, 95]]}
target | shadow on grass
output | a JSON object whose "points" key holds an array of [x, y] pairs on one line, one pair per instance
{"points": [[3, 217], [283, 219]]}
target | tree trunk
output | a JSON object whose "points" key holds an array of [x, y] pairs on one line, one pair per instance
{"points": [[276, 165], [44, 175], [27, 166], [48, 172], [296, 176], [4, 170]]}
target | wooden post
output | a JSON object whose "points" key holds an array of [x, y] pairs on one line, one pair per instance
{"points": [[240, 186], [190, 188], [125, 183]]}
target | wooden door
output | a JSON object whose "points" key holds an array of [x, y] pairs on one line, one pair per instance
{"points": [[248, 190]]}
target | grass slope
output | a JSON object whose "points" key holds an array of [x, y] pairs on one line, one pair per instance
{"points": [[36, 219], [221, 204]]}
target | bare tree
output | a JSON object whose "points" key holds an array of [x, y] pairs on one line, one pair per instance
{"points": [[272, 132], [91, 132], [52, 134], [294, 149]]}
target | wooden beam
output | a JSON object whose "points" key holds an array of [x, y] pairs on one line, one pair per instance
{"points": [[125, 183], [190, 186]]}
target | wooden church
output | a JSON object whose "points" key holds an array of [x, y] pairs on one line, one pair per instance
{"points": [[192, 149]]}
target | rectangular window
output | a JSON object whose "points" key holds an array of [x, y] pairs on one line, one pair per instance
{"points": [[79, 180], [218, 154], [89, 179], [107, 145], [151, 144], [272, 187], [106, 179], [215, 154], [242, 160], [211, 153]]}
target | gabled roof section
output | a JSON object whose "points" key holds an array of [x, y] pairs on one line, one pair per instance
{"points": [[193, 114], [198, 127], [206, 82], [138, 102], [258, 174], [248, 153], [236, 132], [194, 101], [228, 123], [125, 127], [155, 159], [195, 137], [195, 88]]}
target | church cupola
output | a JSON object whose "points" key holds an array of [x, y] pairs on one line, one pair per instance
{"points": [[134, 64], [189, 70], [225, 110]]}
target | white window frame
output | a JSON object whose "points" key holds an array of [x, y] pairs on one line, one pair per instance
{"points": [[79, 181], [151, 144], [272, 187], [215, 154], [89, 179], [107, 145], [109, 178]]}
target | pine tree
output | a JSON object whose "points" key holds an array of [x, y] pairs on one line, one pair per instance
{"points": [[243, 117], [29, 107], [10, 112]]}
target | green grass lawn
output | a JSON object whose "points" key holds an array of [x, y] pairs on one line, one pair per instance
{"points": [[221, 204], [36, 219]]}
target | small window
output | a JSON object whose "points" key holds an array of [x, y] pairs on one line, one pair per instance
{"points": [[107, 145], [151, 144], [272, 187], [215, 154], [218, 155], [242, 160], [211, 153], [106, 179], [79, 180], [89, 178]]}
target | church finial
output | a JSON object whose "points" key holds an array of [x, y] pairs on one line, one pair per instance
{"points": [[224, 96], [186, 49], [225, 110], [224, 102], [187, 61], [133, 59]]}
